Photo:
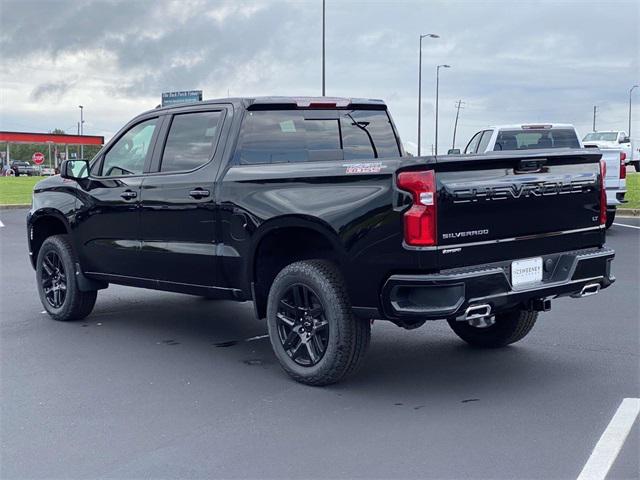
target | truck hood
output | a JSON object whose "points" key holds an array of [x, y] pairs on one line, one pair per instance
{"points": [[50, 182]]}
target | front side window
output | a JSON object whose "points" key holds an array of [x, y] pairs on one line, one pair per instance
{"points": [[190, 141], [128, 154], [277, 136], [473, 143]]}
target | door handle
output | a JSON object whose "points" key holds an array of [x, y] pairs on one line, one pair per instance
{"points": [[128, 194], [199, 193]]}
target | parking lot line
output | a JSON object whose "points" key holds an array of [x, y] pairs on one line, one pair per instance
{"points": [[611, 441], [624, 225], [1, 224]]}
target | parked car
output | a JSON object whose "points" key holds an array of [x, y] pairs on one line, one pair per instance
{"points": [[523, 137], [21, 167], [48, 171], [310, 208]]}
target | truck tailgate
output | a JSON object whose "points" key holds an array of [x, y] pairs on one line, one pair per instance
{"points": [[498, 207]]}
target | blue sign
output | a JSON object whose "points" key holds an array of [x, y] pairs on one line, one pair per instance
{"points": [[174, 98]]}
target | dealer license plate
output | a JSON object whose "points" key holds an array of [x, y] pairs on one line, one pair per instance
{"points": [[526, 271]]}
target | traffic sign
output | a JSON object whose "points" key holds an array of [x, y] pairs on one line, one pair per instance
{"points": [[38, 158]]}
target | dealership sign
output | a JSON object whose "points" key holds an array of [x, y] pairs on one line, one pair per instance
{"points": [[174, 98]]}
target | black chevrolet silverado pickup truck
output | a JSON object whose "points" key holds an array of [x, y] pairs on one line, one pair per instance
{"points": [[310, 208]]}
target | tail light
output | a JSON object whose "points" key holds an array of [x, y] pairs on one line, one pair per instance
{"points": [[420, 220], [623, 166], [603, 193]]}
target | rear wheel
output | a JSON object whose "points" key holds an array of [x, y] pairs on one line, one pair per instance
{"points": [[57, 285], [505, 329], [611, 216], [313, 332]]}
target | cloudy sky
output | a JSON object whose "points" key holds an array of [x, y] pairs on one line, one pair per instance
{"points": [[512, 61]]}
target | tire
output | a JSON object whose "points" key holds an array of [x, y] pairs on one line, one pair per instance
{"points": [[509, 327], [611, 215], [56, 255], [321, 321]]}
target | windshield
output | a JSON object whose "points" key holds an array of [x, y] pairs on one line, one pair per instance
{"points": [[534, 139], [601, 136]]}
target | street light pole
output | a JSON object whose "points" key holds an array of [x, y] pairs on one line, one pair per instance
{"points": [[630, 90], [81, 129], [429, 35], [323, 40], [437, 94]]}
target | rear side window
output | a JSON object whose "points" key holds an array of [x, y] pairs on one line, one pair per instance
{"points": [[535, 139], [279, 136], [190, 141]]}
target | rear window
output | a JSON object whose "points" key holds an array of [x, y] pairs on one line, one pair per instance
{"points": [[280, 136], [534, 139], [601, 136]]}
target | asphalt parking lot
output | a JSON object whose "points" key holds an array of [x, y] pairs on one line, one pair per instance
{"points": [[158, 385]]}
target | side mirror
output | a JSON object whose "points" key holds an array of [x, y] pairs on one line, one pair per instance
{"points": [[453, 151], [625, 140], [74, 169]]}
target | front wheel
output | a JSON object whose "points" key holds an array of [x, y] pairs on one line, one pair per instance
{"points": [[502, 330], [313, 332], [57, 284]]}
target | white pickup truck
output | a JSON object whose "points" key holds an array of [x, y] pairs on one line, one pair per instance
{"points": [[553, 136], [612, 139]]}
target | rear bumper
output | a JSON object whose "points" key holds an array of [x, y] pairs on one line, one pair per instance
{"points": [[449, 293], [615, 197]]}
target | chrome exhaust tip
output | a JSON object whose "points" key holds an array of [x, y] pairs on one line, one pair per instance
{"points": [[588, 290], [477, 311]]}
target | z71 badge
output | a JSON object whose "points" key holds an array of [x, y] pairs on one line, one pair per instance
{"points": [[368, 167]]}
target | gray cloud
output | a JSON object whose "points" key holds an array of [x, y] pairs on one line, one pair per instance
{"points": [[51, 89]]}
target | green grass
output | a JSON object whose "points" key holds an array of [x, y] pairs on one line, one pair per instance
{"points": [[17, 190], [633, 191]]}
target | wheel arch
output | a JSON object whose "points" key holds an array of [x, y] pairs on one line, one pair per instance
{"points": [[285, 240], [43, 224]]}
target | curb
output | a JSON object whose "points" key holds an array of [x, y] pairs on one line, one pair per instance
{"points": [[628, 212], [15, 206]]}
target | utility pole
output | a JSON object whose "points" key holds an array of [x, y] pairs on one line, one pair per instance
{"points": [[630, 91], [595, 109], [459, 104], [323, 56]]}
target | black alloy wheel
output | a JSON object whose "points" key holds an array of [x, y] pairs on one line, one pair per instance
{"points": [[302, 327], [54, 279], [57, 283]]}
